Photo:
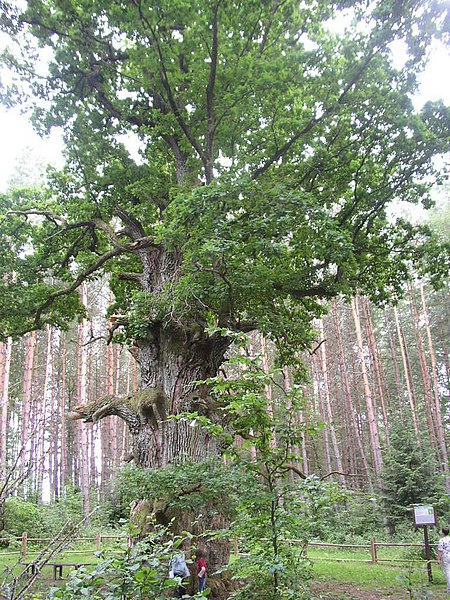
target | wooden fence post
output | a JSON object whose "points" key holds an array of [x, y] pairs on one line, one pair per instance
{"points": [[373, 550], [24, 543], [235, 544], [99, 540], [305, 549]]}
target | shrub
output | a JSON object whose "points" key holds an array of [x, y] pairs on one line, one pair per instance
{"points": [[138, 572], [21, 515]]}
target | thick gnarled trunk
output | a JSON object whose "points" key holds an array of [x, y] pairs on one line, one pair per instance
{"points": [[173, 354], [171, 360], [168, 389]]}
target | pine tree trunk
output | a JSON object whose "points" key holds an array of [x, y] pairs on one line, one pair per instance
{"points": [[437, 396], [327, 405], [28, 372], [322, 416], [393, 350], [54, 433], [63, 458], [350, 411], [6, 364], [374, 436], [44, 415], [35, 424], [407, 373], [429, 407], [376, 363], [82, 398]]}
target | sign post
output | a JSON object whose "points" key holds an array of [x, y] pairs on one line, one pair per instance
{"points": [[424, 517]]}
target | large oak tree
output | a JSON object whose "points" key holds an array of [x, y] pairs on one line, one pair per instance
{"points": [[272, 136]]}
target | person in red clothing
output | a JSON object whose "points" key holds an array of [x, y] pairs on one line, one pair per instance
{"points": [[202, 569]]}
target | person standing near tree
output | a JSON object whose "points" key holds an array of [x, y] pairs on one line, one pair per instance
{"points": [[444, 555], [202, 569], [179, 568]]}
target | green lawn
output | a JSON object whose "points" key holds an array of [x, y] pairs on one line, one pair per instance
{"points": [[329, 565]]}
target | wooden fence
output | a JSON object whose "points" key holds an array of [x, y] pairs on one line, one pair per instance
{"points": [[372, 548], [24, 541]]}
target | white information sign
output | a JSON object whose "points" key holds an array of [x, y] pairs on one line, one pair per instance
{"points": [[424, 515]]}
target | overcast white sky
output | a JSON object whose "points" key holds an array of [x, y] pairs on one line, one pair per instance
{"points": [[16, 133]]}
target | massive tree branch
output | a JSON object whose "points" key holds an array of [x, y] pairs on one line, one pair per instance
{"points": [[148, 406], [76, 283], [133, 227]]}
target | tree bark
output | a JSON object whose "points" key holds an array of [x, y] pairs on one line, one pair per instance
{"points": [[393, 350], [376, 363], [374, 436], [327, 404], [326, 459], [63, 428], [429, 407], [350, 411], [6, 364], [82, 398], [28, 373], [407, 373], [437, 396]]}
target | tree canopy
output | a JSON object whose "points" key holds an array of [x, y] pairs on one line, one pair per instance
{"points": [[270, 144]]}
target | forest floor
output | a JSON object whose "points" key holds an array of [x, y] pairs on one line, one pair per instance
{"points": [[345, 591]]}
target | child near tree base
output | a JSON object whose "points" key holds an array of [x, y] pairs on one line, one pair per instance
{"points": [[202, 569]]}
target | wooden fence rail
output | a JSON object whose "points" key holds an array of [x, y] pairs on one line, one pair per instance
{"points": [[25, 540], [372, 548]]}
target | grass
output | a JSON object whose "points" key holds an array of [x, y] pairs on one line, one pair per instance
{"points": [[329, 565], [378, 575], [389, 578]]}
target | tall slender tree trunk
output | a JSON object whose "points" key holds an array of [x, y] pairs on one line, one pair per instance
{"points": [[327, 405], [407, 372], [323, 417], [393, 350], [54, 433], [44, 418], [4, 413], [27, 386], [92, 431], [429, 407], [437, 396], [63, 459], [350, 411], [374, 435], [376, 363], [83, 399]]}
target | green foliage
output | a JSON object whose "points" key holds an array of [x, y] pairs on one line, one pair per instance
{"points": [[337, 515], [408, 474], [270, 507], [270, 148], [134, 573], [209, 483], [21, 516], [43, 520]]}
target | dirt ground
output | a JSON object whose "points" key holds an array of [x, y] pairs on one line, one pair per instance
{"points": [[335, 591]]}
